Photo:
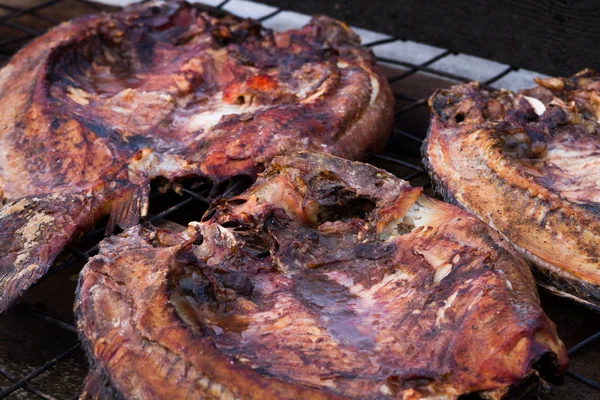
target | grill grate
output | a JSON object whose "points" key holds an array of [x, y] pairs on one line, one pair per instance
{"points": [[21, 24]]}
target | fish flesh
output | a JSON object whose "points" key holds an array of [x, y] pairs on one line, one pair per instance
{"points": [[326, 279]]}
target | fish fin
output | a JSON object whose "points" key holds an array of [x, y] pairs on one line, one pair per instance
{"points": [[33, 232], [127, 208]]}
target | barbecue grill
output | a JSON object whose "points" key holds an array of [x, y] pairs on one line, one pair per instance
{"points": [[40, 356]]}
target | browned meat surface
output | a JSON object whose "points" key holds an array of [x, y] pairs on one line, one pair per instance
{"points": [[528, 164], [326, 279], [97, 107]]}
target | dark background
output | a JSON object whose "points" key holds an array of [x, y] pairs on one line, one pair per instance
{"points": [[556, 37]]}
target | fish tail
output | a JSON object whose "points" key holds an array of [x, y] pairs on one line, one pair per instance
{"points": [[33, 232]]}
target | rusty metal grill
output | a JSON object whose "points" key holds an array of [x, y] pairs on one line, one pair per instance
{"points": [[40, 356]]}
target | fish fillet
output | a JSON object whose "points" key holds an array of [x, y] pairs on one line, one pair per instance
{"points": [[96, 108]]}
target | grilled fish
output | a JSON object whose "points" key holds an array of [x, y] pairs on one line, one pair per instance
{"points": [[99, 106], [326, 279], [528, 164]]}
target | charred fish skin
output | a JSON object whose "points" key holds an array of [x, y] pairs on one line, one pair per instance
{"points": [[526, 164], [99, 106], [326, 279]]}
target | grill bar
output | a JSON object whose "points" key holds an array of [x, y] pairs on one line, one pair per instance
{"points": [[91, 4], [402, 96], [196, 196], [419, 67], [222, 4], [19, 384], [432, 71], [14, 40], [589, 382], [31, 312], [407, 135], [18, 12], [405, 109], [21, 28], [26, 386], [170, 209], [268, 16], [581, 345], [397, 161], [500, 75], [82, 254], [380, 42]]}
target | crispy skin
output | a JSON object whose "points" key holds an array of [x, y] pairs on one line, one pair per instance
{"points": [[532, 177], [367, 288], [97, 107]]}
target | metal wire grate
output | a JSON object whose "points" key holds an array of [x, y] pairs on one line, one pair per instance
{"points": [[21, 24]]}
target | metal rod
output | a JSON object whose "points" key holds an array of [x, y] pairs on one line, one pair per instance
{"points": [[20, 383], [411, 176], [573, 350], [425, 69], [437, 72], [91, 4], [402, 96], [17, 12], [27, 386], [380, 42], [407, 135], [222, 4], [196, 195], [56, 269], [30, 312], [232, 187], [79, 253], [9, 8], [21, 28], [397, 161], [420, 102], [46, 19], [419, 67], [271, 15], [101, 229], [590, 382], [500, 75], [6, 42], [170, 209]]}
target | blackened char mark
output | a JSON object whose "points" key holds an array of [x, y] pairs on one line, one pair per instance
{"points": [[132, 144]]}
